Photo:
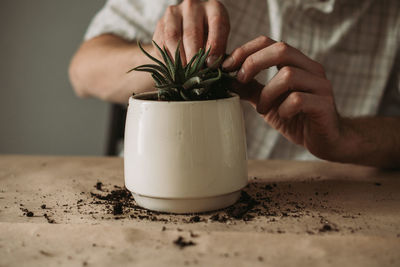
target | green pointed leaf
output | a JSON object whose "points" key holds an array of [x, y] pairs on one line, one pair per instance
{"points": [[196, 62], [158, 68], [193, 59], [167, 60], [170, 63], [151, 57], [179, 75], [156, 79], [189, 65], [202, 60], [178, 56], [153, 71]]}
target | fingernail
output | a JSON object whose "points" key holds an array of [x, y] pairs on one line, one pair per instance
{"points": [[227, 63], [241, 75], [211, 60]]}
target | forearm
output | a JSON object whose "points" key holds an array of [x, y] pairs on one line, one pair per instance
{"points": [[373, 141], [99, 68]]}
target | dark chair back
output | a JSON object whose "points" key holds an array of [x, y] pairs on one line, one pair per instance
{"points": [[116, 129]]}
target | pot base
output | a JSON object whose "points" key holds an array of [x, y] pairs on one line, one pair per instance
{"points": [[186, 205]]}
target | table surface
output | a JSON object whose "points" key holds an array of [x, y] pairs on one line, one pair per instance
{"points": [[301, 213]]}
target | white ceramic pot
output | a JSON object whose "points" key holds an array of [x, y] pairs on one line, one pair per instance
{"points": [[185, 157]]}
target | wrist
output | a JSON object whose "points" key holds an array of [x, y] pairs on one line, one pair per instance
{"points": [[371, 141], [347, 147]]}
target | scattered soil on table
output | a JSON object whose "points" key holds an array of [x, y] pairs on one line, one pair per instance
{"points": [[29, 213], [268, 202], [115, 202], [257, 200], [121, 202]]}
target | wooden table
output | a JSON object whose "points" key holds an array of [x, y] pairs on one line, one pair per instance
{"points": [[306, 214]]}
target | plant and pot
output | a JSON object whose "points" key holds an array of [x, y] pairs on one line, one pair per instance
{"points": [[185, 147]]}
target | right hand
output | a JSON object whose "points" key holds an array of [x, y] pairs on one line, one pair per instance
{"points": [[197, 24], [298, 101]]}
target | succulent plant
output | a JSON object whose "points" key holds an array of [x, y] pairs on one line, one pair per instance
{"points": [[195, 81]]}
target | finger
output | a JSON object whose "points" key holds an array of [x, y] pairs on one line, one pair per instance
{"points": [[299, 102], [290, 79], [218, 29], [277, 54], [238, 56], [193, 27], [172, 22]]}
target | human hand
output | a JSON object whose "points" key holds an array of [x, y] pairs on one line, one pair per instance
{"points": [[197, 24], [298, 101]]}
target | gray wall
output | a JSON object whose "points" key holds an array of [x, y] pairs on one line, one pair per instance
{"points": [[39, 113]]}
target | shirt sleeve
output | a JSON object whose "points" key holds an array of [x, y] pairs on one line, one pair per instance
{"points": [[129, 19]]}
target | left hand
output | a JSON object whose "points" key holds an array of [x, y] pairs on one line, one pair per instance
{"points": [[298, 101]]}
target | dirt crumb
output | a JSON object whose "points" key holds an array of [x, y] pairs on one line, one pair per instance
{"points": [[45, 253], [49, 220], [117, 208], [182, 243], [195, 219], [99, 186], [328, 228], [193, 235]]}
